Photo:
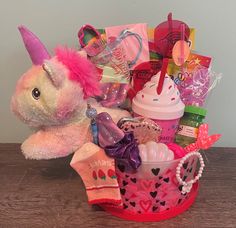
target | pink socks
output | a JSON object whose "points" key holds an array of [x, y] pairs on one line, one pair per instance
{"points": [[98, 174]]}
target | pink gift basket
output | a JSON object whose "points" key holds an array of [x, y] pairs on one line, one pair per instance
{"points": [[129, 105], [153, 192]]}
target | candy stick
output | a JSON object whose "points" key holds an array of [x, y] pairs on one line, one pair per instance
{"points": [[162, 76]]}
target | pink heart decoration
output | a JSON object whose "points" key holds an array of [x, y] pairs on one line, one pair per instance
{"points": [[133, 188], [204, 141], [146, 184], [133, 195], [145, 204]]}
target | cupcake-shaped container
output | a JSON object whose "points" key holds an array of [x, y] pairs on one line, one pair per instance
{"points": [[165, 109]]}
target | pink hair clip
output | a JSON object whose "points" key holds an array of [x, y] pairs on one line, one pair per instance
{"points": [[204, 141]]}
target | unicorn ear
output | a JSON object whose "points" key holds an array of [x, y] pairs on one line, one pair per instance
{"points": [[56, 72]]}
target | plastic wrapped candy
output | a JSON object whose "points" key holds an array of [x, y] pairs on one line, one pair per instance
{"points": [[195, 88]]}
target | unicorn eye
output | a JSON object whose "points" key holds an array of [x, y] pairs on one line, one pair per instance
{"points": [[36, 93]]}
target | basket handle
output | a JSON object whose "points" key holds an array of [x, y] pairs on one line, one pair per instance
{"points": [[187, 186]]}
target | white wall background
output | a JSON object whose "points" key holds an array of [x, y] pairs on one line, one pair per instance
{"points": [[57, 22]]}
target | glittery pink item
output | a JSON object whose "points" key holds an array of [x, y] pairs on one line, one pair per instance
{"points": [[114, 94], [194, 90]]}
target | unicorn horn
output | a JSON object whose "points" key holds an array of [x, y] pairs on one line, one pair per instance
{"points": [[37, 51]]}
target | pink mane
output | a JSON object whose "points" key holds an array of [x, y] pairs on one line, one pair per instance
{"points": [[81, 70]]}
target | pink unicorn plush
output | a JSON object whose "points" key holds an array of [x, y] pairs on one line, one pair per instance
{"points": [[52, 97]]}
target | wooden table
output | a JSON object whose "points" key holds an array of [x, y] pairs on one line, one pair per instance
{"points": [[51, 194]]}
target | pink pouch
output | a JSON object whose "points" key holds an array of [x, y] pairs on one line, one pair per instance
{"points": [[130, 44]]}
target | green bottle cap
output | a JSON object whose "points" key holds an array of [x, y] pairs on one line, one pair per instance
{"points": [[196, 110]]}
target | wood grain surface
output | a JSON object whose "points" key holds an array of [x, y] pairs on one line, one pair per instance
{"points": [[51, 194]]}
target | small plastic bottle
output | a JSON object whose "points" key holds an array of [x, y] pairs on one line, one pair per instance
{"points": [[188, 127]]}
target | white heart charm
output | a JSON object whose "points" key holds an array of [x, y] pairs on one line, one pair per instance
{"points": [[186, 188]]}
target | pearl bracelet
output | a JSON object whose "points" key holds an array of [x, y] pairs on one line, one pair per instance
{"points": [[187, 186]]}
